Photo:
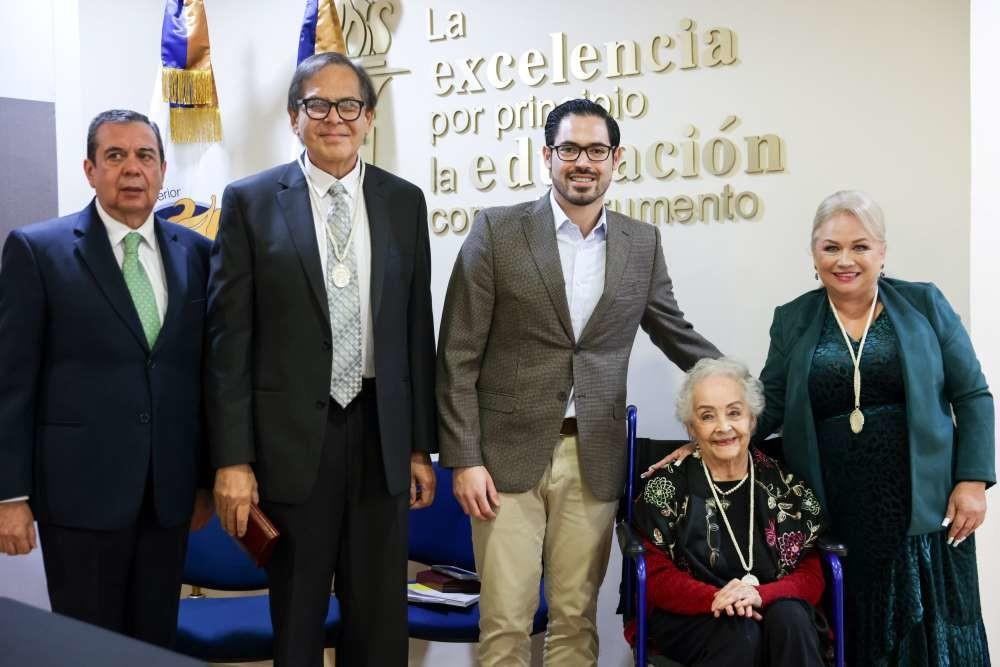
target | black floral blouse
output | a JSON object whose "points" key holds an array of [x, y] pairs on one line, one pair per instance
{"points": [[677, 513]]}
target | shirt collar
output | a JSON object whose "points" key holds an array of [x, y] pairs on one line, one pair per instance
{"points": [[118, 230], [322, 180], [561, 219]]}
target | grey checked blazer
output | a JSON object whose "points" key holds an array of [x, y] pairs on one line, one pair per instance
{"points": [[507, 356]]}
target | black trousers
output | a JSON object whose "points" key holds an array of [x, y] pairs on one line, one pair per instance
{"points": [[349, 530], [128, 581], [786, 637]]}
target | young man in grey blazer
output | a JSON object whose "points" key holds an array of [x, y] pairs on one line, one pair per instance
{"points": [[541, 312]]}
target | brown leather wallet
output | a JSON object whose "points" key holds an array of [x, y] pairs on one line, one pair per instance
{"points": [[260, 538]]}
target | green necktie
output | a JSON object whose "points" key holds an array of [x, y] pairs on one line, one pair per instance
{"points": [[140, 288]]}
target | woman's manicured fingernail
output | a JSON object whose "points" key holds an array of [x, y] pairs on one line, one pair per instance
{"points": [[958, 541], [946, 522], [951, 541]]}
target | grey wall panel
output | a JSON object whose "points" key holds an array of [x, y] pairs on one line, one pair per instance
{"points": [[28, 188]]}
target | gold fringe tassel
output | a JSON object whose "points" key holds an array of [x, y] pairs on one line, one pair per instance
{"points": [[193, 125], [187, 86]]}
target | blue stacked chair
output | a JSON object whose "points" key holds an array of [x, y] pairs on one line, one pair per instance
{"points": [[442, 535], [229, 629]]}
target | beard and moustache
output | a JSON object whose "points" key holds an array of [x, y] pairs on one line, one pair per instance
{"points": [[563, 187]]}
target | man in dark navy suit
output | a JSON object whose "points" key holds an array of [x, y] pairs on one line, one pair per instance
{"points": [[320, 372], [101, 326]]}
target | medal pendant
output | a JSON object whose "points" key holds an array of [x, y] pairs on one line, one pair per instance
{"points": [[857, 421], [749, 578], [341, 276]]}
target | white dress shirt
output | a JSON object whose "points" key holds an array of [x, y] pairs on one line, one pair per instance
{"points": [[149, 253], [149, 257], [583, 265], [319, 195]]}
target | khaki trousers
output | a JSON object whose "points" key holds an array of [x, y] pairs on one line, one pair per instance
{"points": [[558, 527]]}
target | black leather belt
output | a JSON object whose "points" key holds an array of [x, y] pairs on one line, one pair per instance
{"points": [[568, 426]]}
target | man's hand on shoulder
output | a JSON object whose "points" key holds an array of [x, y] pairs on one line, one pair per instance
{"points": [[422, 480], [235, 490], [17, 528], [475, 492]]}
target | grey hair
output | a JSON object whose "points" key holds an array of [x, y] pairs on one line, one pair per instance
{"points": [[119, 116], [856, 203], [753, 389]]}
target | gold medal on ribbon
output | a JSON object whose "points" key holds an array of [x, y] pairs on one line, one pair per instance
{"points": [[857, 420]]}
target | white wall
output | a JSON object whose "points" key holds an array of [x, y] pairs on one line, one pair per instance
{"points": [[984, 269], [27, 48], [871, 95]]}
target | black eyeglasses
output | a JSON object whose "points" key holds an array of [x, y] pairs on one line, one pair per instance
{"points": [[318, 108], [571, 152]]}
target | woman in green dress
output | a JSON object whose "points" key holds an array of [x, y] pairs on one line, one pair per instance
{"points": [[864, 375], [863, 378]]}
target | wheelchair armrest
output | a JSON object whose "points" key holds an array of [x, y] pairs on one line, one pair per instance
{"points": [[832, 545], [629, 540]]}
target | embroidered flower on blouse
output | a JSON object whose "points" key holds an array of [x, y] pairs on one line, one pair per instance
{"points": [[810, 503], [771, 533], [659, 491], [762, 459], [790, 547]]}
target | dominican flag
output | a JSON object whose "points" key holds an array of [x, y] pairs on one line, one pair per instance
{"points": [[185, 100], [321, 30]]}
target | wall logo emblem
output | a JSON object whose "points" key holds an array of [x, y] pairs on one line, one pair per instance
{"points": [[365, 25], [202, 218]]}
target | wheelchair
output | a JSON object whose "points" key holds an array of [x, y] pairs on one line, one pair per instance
{"points": [[642, 452]]}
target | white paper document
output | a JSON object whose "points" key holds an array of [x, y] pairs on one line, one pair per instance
{"points": [[419, 593]]}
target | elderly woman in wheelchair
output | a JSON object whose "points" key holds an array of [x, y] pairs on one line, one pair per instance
{"points": [[732, 565]]}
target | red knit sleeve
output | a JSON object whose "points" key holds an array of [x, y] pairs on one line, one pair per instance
{"points": [[805, 582], [674, 590]]}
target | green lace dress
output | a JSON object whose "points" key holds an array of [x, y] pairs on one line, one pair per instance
{"points": [[910, 600]]}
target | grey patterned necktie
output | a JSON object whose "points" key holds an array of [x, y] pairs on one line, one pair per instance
{"points": [[344, 302]]}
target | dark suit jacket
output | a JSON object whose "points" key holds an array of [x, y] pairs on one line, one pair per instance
{"points": [[508, 355], [85, 406], [268, 372], [940, 372]]}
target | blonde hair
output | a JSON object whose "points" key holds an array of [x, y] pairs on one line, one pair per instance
{"points": [[853, 202]]}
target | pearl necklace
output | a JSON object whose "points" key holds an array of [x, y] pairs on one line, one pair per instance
{"points": [[747, 563], [734, 489]]}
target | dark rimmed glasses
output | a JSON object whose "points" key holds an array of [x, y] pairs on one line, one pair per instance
{"points": [[571, 152], [318, 108]]}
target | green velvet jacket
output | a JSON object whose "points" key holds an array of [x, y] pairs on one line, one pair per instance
{"points": [[941, 375]]}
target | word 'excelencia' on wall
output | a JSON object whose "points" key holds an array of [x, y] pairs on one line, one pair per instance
{"points": [[688, 156]]}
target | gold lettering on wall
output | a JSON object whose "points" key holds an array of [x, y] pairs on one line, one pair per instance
{"points": [[683, 152]]}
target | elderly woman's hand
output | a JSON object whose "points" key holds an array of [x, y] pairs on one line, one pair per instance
{"points": [[677, 455], [737, 599], [966, 510]]}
